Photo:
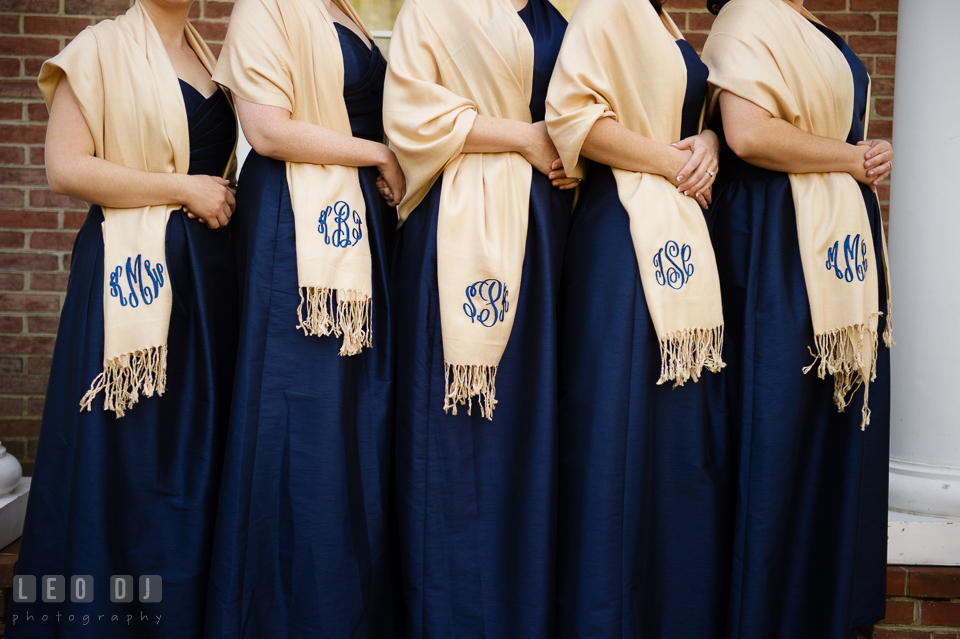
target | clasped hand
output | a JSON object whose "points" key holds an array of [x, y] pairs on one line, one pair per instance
{"points": [[696, 177]]}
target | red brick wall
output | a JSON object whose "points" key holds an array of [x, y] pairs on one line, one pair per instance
{"points": [[922, 603], [37, 227]]}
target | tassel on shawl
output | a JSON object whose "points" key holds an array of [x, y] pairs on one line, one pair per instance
{"points": [[469, 382], [124, 378], [840, 353], [326, 314], [684, 354], [888, 330]]}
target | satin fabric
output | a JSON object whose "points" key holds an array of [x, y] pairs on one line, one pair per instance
{"points": [[646, 474], [137, 496], [305, 530], [809, 552], [477, 499]]}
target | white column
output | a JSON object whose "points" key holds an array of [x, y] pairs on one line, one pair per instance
{"points": [[925, 254]]}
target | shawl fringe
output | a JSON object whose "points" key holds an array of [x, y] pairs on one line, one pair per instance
{"points": [[470, 381], [684, 354], [124, 378], [326, 314], [888, 330], [840, 354]]}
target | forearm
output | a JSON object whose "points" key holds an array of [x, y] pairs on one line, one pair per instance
{"points": [[296, 141], [613, 144], [101, 182], [498, 135], [777, 145]]}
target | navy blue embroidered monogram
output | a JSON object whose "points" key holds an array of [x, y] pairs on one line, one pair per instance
{"points": [[674, 275], [492, 293], [136, 273], [854, 256], [347, 231]]}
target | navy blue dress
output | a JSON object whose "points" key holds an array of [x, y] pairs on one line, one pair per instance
{"points": [[477, 499], [810, 544], [304, 532], [646, 483], [138, 495]]}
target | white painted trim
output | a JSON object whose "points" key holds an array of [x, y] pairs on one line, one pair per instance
{"points": [[924, 489], [13, 509], [913, 540]]}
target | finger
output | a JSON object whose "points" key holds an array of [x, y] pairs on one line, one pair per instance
{"points": [[557, 164], [231, 200], [689, 168], [879, 161], [227, 212], [702, 185], [558, 175], [222, 181], [881, 146], [694, 181], [684, 145], [223, 218], [883, 175], [569, 183], [702, 201], [213, 223]]}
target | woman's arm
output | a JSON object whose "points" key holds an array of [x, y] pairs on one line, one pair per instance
{"points": [[771, 143], [501, 135], [74, 170], [613, 144], [272, 132]]}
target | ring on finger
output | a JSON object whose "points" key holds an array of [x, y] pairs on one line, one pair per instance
{"points": [[891, 164], [710, 173]]}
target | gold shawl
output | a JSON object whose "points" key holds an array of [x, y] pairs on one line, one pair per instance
{"points": [[620, 60], [131, 100], [768, 53], [286, 53], [449, 61]]}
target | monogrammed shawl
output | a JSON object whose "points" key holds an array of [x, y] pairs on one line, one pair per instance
{"points": [[768, 53], [620, 60], [131, 100], [449, 61], [286, 53]]}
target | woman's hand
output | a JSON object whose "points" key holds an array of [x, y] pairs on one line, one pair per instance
{"points": [[700, 171], [207, 197], [391, 183], [539, 150], [878, 160], [558, 177], [705, 197]]}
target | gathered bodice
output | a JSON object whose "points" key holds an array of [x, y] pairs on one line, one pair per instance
{"points": [[364, 70], [547, 27], [696, 91], [213, 130]]}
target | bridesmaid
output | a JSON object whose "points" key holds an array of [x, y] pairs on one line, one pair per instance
{"points": [[646, 475], [477, 486], [304, 535], [809, 552], [136, 496]]}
